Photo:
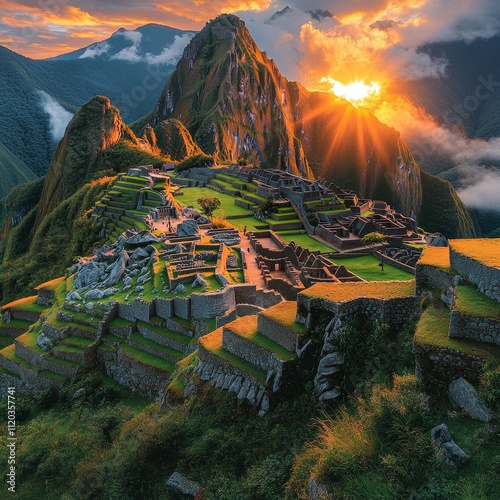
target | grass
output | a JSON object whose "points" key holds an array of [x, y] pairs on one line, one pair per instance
{"points": [[284, 314], [367, 267], [486, 251], [470, 301], [148, 359], [344, 292], [138, 338], [164, 332], [305, 241], [432, 329], [50, 285], [53, 376], [436, 257], [228, 207], [213, 343], [29, 339], [246, 327], [17, 324], [25, 304], [10, 353], [121, 323]]}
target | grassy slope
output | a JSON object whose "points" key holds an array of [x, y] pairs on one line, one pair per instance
{"points": [[367, 267]]}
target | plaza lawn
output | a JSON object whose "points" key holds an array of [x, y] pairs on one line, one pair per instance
{"points": [[228, 207], [305, 241], [367, 267]]}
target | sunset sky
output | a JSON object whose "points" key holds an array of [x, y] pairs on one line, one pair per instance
{"points": [[377, 38]]}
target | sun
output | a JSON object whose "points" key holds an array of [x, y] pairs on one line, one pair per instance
{"points": [[357, 93]]}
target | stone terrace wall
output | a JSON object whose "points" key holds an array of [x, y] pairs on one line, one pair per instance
{"points": [[485, 330], [437, 366], [486, 278], [211, 305], [395, 312], [428, 277]]}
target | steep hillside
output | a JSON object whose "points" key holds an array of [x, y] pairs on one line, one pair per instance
{"points": [[13, 171], [96, 127], [236, 104]]}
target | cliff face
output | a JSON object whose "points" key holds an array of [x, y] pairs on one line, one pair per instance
{"points": [[236, 104], [94, 128]]}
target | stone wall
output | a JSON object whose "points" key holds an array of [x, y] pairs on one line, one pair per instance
{"points": [[280, 334], [138, 377], [250, 352], [429, 277], [182, 307], [247, 309], [437, 367], [245, 294], [211, 305], [143, 310], [486, 278], [225, 319], [148, 333], [463, 326], [26, 315], [220, 374], [164, 307]]}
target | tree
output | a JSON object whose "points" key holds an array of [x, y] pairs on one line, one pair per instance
{"points": [[209, 205], [373, 238]]}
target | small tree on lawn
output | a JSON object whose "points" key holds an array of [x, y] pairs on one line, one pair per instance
{"points": [[373, 238], [209, 205]]}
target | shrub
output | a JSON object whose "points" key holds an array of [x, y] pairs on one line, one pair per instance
{"points": [[490, 385]]}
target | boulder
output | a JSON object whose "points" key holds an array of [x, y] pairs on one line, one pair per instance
{"points": [[88, 273], [94, 294], [450, 451], [188, 227], [139, 254], [44, 342], [117, 270], [465, 397], [180, 289], [330, 395], [89, 306], [141, 239], [199, 281], [181, 487], [73, 296]]}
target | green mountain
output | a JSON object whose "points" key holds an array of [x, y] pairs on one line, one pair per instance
{"points": [[39, 96], [13, 171], [236, 104]]}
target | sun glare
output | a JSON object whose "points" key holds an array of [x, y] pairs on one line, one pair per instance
{"points": [[357, 93]]}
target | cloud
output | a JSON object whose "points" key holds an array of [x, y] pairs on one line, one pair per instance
{"points": [[481, 186], [172, 53], [58, 116], [94, 50], [131, 53]]}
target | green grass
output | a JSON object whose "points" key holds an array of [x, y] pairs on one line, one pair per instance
{"points": [[9, 353], [213, 343], [137, 337], [433, 327], [470, 301], [121, 323], [284, 313], [228, 207], [25, 304], [367, 267], [53, 376], [169, 334], [305, 241], [29, 339], [17, 324], [78, 342], [148, 359]]}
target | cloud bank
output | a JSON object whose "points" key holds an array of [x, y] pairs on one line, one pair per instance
{"points": [[58, 116]]}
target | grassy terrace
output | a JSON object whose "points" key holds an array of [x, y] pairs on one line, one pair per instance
{"points": [[486, 251], [213, 343], [147, 359], [29, 339], [343, 292], [305, 241], [9, 353], [246, 327], [52, 285], [436, 257], [367, 267], [164, 332], [228, 207], [432, 329], [25, 304], [470, 301], [284, 314], [139, 339]]}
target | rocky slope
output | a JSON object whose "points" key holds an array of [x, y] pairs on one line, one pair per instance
{"points": [[96, 127], [236, 104]]}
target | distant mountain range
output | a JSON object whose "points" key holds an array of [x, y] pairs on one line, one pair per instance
{"points": [[38, 97]]}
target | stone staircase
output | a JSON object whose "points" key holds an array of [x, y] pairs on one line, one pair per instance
{"points": [[251, 355]]}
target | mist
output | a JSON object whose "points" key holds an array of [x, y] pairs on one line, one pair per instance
{"points": [[58, 116]]}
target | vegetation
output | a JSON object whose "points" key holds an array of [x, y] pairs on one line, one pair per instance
{"points": [[195, 161], [368, 267], [209, 205], [373, 238], [470, 301], [436, 257], [482, 250]]}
